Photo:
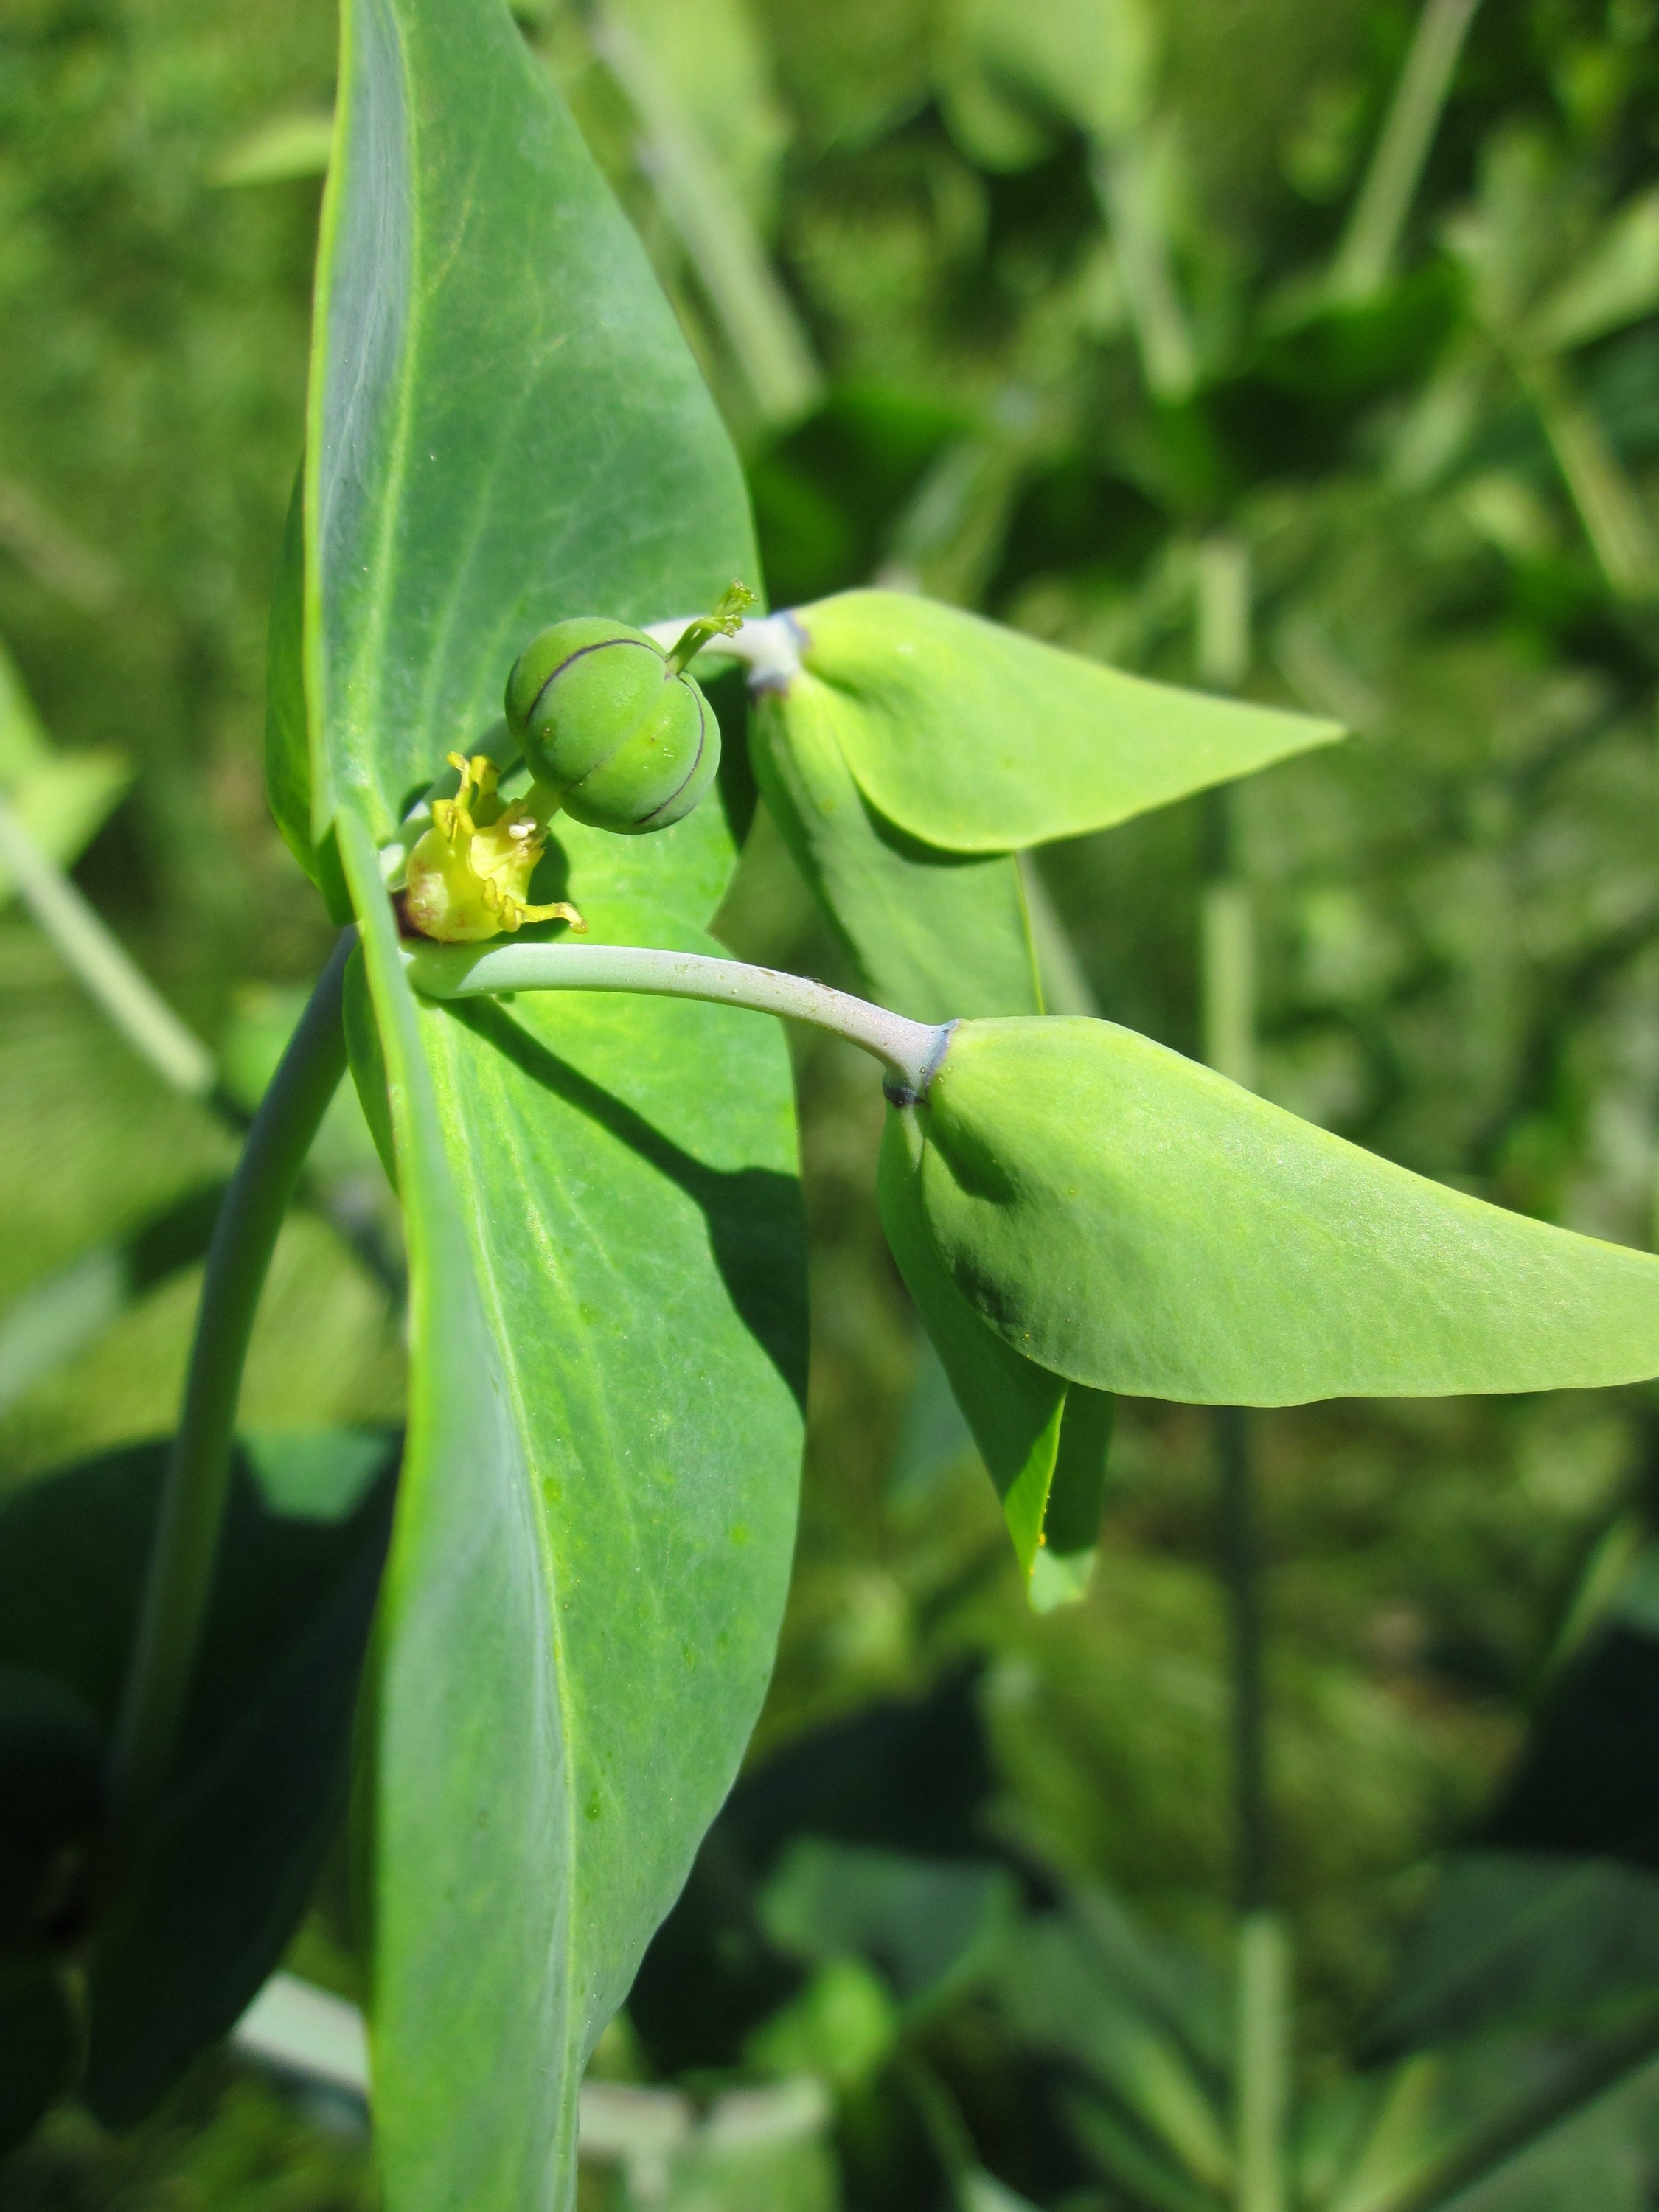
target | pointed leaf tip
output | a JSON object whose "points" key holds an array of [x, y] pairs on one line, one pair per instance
{"points": [[979, 739], [1123, 1218]]}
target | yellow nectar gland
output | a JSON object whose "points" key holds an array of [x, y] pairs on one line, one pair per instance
{"points": [[467, 876]]}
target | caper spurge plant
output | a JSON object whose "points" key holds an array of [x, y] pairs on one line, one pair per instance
{"points": [[514, 476]]}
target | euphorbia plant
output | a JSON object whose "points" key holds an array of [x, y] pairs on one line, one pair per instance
{"points": [[512, 466]]}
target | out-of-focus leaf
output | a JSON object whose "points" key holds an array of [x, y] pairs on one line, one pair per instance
{"points": [[37, 2046], [598, 1507], [1114, 2009], [1127, 1218], [842, 2027], [53, 1319], [1514, 1939], [1007, 70], [909, 1775], [285, 146], [973, 737], [61, 799], [1616, 282], [928, 1924], [695, 76], [1551, 1919], [214, 1883]]}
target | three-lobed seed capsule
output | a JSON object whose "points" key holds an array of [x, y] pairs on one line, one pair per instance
{"points": [[622, 737]]}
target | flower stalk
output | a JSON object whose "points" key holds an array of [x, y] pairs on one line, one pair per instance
{"points": [[910, 1051]]}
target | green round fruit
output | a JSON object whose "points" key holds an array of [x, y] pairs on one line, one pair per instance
{"points": [[622, 740]]}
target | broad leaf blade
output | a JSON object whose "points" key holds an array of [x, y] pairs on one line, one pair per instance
{"points": [[593, 1540], [506, 426], [973, 738], [1128, 1219]]}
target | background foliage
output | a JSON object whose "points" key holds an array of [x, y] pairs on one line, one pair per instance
{"points": [[937, 374]]}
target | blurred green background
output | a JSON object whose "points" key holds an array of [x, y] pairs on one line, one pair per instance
{"points": [[1084, 315]]}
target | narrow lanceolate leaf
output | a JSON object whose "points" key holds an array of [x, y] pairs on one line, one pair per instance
{"points": [[594, 1526], [975, 739], [1127, 1218]]}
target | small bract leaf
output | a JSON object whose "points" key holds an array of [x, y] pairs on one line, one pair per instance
{"points": [[1126, 1219], [975, 737], [934, 934]]}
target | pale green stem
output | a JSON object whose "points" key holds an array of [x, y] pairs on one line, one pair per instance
{"points": [[1228, 950], [1261, 2043], [91, 951], [180, 1573], [721, 240], [1372, 237], [1126, 187], [910, 1051], [1487, 2149], [1618, 529], [1263, 2060]]}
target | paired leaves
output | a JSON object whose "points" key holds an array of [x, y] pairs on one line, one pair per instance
{"points": [[918, 747], [1120, 1217], [979, 739], [606, 1284]]}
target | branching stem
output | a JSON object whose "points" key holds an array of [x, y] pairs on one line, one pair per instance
{"points": [[186, 1540], [910, 1051]]}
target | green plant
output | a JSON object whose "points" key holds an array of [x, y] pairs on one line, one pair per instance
{"points": [[595, 1499]]}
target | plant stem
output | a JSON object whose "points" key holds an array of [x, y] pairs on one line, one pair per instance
{"points": [[1263, 2060], [1127, 186], [1372, 237], [1593, 2071], [180, 1573], [910, 1051], [121, 989], [772, 349], [1241, 1573], [1617, 528], [769, 647]]}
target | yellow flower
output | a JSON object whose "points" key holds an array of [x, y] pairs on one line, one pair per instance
{"points": [[468, 876]]}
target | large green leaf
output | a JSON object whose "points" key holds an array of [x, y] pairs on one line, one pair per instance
{"points": [[606, 1285], [1128, 1219], [173, 1946], [594, 1540], [505, 426], [972, 737]]}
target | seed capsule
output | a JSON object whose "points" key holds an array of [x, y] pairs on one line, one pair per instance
{"points": [[612, 728]]}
